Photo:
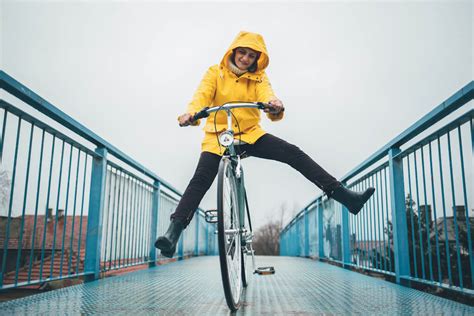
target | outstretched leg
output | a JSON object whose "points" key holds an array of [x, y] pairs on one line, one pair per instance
{"points": [[274, 148], [204, 175], [271, 147]]}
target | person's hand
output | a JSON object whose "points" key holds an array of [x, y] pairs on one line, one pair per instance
{"points": [[185, 119], [276, 107]]}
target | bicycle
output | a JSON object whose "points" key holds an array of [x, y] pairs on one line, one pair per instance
{"points": [[233, 226]]}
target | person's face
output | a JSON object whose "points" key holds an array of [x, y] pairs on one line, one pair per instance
{"points": [[245, 57]]}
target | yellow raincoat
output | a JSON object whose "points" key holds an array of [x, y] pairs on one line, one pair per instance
{"points": [[220, 85]]}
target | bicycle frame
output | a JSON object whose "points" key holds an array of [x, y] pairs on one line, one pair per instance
{"points": [[246, 236], [235, 158], [239, 175], [235, 161], [234, 269]]}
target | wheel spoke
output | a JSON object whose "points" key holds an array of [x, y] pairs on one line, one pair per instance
{"points": [[230, 246]]}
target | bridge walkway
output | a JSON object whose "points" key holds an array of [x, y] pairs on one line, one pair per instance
{"points": [[193, 287]]}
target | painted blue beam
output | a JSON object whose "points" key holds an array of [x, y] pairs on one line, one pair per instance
{"points": [[196, 236], [206, 241], [320, 228], [154, 222], [346, 249], [453, 103], [94, 220], [41, 125], [400, 232], [466, 117], [457, 100], [306, 233], [23, 93], [180, 251]]}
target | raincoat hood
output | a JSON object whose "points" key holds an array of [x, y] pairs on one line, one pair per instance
{"points": [[251, 40], [221, 85]]}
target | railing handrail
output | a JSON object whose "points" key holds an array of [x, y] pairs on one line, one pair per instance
{"points": [[454, 102], [25, 94], [458, 99]]}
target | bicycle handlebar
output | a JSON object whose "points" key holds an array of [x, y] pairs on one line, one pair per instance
{"points": [[228, 106]]}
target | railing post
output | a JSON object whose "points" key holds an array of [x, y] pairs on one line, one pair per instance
{"points": [[294, 241], [196, 239], [320, 228], [181, 247], [400, 235], [280, 240], [206, 240], [346, 248], [154, 221], [296, 237], [306, 234], [96, 212]]}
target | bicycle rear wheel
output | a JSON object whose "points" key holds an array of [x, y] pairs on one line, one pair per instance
{"points": [[229, 238]]}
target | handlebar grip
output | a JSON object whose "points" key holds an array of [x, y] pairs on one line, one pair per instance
{"points": [[201, 114], [264, 106]]}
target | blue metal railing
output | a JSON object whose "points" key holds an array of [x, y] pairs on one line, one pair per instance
{"points": [[419, 224], [71, 204]]}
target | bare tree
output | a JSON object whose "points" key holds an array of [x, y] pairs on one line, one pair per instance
{"points": [[267, 238], [5, 184]]}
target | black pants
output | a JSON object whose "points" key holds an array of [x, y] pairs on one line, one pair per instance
{"points": [[267, 147]]}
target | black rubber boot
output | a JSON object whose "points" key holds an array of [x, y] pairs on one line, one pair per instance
{"points": [[167, 242], [354, 201]]}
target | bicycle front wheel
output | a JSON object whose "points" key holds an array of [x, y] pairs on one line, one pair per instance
{"points": [[228, 228]]}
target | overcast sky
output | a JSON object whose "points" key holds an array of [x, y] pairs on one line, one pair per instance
{"points": [[352, 75]]}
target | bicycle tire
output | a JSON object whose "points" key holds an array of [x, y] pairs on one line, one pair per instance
{"points": [[245, 279], [245, 274], [230, 250]]}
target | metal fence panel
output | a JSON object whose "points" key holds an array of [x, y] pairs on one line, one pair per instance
{"points": [[46, 175], [419, 224]]}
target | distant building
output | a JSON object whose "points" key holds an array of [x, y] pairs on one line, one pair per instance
{"points": [[446, 227], [37, 241]]}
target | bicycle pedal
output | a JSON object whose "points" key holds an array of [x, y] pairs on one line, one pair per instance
{"points": [[265, 271], [211, 216]]}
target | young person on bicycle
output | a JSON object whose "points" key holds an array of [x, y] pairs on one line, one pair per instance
{"points": [[240, 76]]}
